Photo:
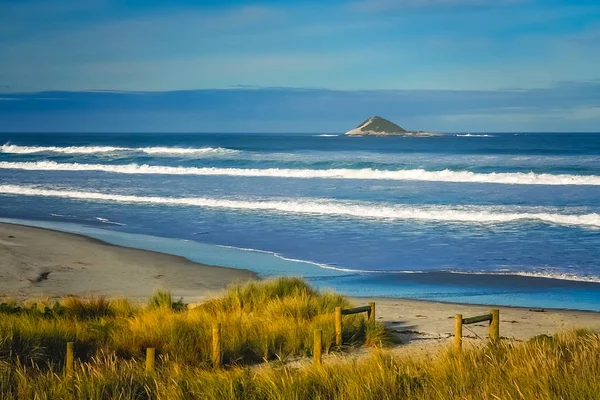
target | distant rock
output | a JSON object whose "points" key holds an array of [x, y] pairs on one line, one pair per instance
{"points": [[377, 126]]}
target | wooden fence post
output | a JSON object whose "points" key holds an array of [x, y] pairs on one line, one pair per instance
{"points": [[372, 312], [69, 359], [338, 326], [458, 332], [150, 358], [495, 326], [216, 345], [318, 345]]}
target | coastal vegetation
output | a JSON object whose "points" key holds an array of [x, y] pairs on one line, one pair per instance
{"points": [[261, 320], [265, 323]]}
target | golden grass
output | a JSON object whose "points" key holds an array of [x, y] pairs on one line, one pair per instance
{"points": [[564, 367], [261, 321]]}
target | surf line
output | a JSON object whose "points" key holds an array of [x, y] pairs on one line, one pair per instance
{"points": [[325, 207], [507, 178]]}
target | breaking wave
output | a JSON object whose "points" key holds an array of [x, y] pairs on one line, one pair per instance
{"points": [[15, 149], [449, 214], [510, 178]]}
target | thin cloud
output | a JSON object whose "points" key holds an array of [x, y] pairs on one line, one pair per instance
{"points": [[573, 106]]}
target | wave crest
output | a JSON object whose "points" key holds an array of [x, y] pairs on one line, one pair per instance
{"points": [[510, 178], [16, 149], [444, 214]]}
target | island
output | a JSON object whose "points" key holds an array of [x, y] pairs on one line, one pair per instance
{"points": [[377, 126]]}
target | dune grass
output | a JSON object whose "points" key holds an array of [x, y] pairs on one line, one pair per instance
{"points": [[263, 320], [563, 367]]}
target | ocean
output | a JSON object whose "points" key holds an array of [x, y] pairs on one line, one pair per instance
{"points": [[498, 218]]}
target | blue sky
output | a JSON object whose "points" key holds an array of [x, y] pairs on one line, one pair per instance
{"points": [[449, 65]]}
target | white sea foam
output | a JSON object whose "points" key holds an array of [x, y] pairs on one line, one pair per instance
{"points": [[451, 214], [512, 178], [107, 221], [274, 254], [186, 151], [474, 135], [326, 135], [16, 149], [531, 274], [542, 274]]}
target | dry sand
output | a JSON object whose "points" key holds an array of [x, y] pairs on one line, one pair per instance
{"points": [[38, 262], [426, 327]]}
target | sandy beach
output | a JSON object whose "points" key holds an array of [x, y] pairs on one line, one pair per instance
{"points": [[38, 262]]}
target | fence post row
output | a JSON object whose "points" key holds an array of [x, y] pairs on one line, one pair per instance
{"points": [[493, 317], [216, 345], [318, 346], [459, 321]]}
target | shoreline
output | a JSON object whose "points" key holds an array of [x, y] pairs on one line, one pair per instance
{"points": [[255, 275], [86, 266]]}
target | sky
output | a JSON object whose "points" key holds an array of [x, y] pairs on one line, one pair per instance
{"points": [[299, 66]]}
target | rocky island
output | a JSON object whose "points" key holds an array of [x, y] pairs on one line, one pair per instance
{"points": [[377, 126]]}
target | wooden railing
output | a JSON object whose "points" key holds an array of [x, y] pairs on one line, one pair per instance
{"points": [[493, 317], [370, 310]]}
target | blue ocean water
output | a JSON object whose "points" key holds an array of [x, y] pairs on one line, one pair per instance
{"points": [[498, 218]]}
